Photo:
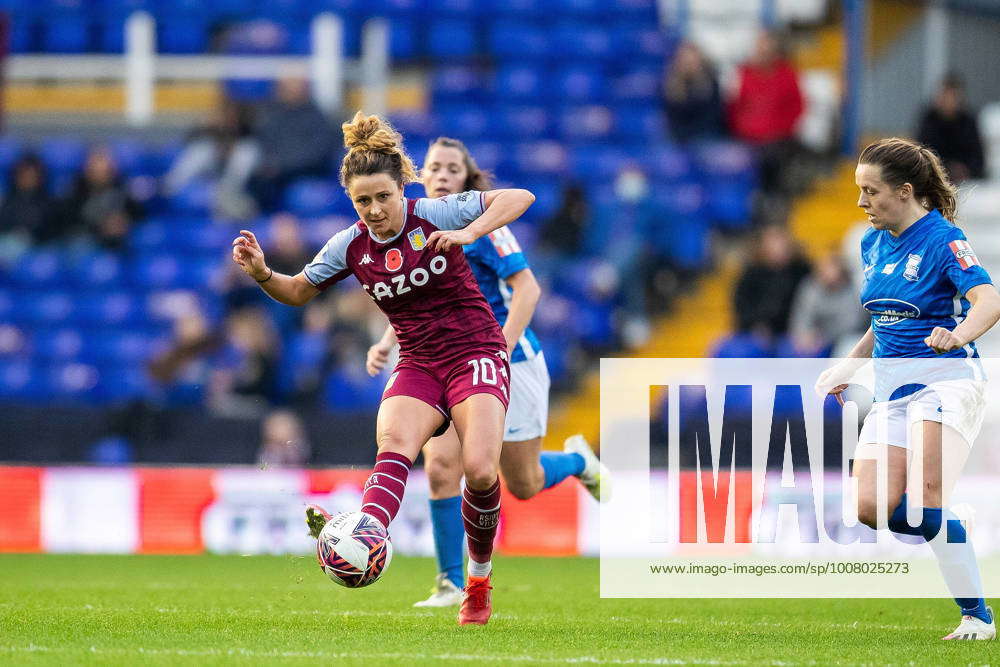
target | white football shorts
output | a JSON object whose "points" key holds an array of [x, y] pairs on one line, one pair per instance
{"points": [[528, 411], [960, 404]]}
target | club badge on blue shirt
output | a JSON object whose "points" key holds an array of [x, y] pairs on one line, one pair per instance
{"points": [[912, 266]]}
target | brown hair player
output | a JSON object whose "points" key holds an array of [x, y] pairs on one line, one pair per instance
{"points": [[407, 254]]}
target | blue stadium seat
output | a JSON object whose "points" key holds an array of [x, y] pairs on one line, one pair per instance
{"points": [[453, 7], [158, 271], [11, 148], [581, 41], [643, 42], [45, 267], [48, 308], [727, 160], [541, 157], [730, 205], [520, 82], [521, 122], [597, 162], [126, 347], [66, 34], [638, 84], [639, 9], [98, 269], [353, 391], [521, 9], [302, 361], [666, 162], [118, 382], [467, 123], [182, 34], [405, 10], [547, 193], [740, 346], [452, 38], [195, 198], [414, 123], [488, 154], [586, 123], [580, 84], [312, 197], [110, 307], [72, 381], [63, 154], [455, 83], [63, 344], [583, 9], [130, 156], [24, 37], [512, 40], [20, 380], [641, 124]]}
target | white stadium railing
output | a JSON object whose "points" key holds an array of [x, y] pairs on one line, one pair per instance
{"points": [[140, 66]]}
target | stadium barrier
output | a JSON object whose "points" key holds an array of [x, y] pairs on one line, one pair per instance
{"points": [[245, 510]]}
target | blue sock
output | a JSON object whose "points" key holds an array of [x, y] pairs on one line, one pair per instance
{"points": [[956, 559], [897, 522], [449, 538], [560, 465]]}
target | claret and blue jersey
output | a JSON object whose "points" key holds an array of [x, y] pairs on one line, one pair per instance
{"points": [[918, 281], [494, 258]]}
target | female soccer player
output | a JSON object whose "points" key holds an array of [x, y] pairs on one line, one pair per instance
{"points": [[407, 254], [512, 292], [928, 296]]}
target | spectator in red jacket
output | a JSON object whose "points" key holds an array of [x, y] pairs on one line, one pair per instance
{"points": [[767, 107]]}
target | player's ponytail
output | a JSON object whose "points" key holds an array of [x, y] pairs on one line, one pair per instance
{"points": [[374, 147], [903, 161], [476, 178]]}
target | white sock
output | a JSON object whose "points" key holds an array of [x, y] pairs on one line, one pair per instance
{"points": [[479, 569]]}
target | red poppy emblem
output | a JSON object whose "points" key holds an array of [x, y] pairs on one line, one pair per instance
{"points": [[393, 259]]}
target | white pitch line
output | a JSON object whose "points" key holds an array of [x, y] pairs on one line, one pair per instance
{"points": [[453, 657]]}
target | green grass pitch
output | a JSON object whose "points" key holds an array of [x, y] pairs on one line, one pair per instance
{"points": [[199, 610]]}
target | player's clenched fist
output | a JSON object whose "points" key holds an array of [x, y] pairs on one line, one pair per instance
{"points": [[248, 255], [941, 340], [378, 357], [444, 240]]}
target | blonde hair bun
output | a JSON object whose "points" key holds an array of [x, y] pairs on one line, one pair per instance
{"points": [[371, 133]]}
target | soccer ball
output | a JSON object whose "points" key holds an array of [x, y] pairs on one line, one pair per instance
{"points": [[353, 549]]}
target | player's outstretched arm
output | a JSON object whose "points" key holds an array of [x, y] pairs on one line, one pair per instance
{"points": [[522, 305], [982, 316], [290, 290], [501, 207]]}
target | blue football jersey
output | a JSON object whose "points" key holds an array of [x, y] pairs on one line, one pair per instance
{"points": [[918, 281], [494, 258]]}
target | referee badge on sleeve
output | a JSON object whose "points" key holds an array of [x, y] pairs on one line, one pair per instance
{"points": [[964, 253]]}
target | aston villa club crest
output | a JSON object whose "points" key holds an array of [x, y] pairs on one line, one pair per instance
{"points": [[417, 240], [394, 259]]}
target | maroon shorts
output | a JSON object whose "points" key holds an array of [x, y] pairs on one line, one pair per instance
{"points": [[443, 384]]}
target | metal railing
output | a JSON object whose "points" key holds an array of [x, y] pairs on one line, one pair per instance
{"points": [[140, 66]]}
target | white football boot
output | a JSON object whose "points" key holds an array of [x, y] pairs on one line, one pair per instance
{"points": [[595, 476], [973, 628], [444, 594]]}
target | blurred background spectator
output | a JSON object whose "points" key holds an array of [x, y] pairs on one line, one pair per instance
{"points": [[766, 108], [283, 441], [826, 309], [948, 127], [225, 150], [691, 97], [26, 212], [99, 206], [295, 139], [766, 289]]}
